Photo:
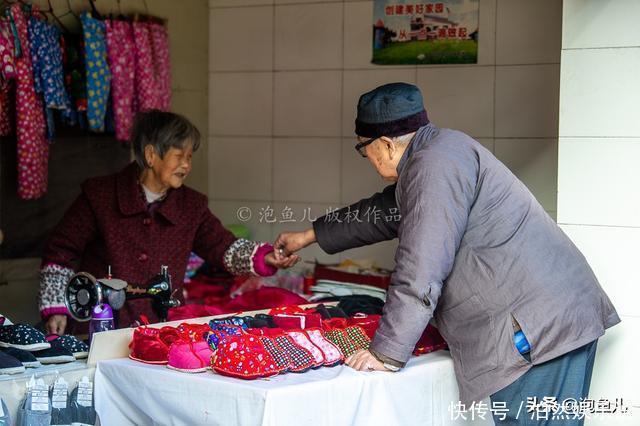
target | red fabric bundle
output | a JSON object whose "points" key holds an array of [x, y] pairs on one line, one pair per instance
{"points": [[369, 323], [430, 341], [244, 357], [263, 298]]}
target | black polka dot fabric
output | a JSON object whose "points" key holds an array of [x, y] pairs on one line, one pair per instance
{"points": [[22, 336], [78, 348]]}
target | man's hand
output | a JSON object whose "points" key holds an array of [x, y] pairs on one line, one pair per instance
{"points": [[56, 324], [291, 242], [365, 361], [282, 262]]}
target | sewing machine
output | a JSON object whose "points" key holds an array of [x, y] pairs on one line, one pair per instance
{"points": [[84, 291]]}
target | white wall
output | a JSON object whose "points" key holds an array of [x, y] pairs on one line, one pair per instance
{"points": [[598, 174], [285, 79]]}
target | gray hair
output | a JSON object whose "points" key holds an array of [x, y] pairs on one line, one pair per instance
{"points": [[162, 130], [403, 139]]}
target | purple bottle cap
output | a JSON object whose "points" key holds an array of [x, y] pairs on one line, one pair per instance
{"points": [[102, 311]]}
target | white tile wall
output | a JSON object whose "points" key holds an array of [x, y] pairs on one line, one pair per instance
{"points": [[305, 99], [597, 23], [487, 34], [488, 143], [236, 3], [526, 158], [459, 97], [597, 178], [600, 92], [527, 101], [612, 254], [241, 39], [240, 168], [517, 21], [305, 170], [307, 103], [240, 103], [306, 1], [358, 21], [245, 213], [616, 370], [308, 36], [598, 181]]}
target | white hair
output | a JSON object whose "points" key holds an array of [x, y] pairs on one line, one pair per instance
{"points": [[403, 139]]}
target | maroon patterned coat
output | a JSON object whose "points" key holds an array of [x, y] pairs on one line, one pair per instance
{"points": [[110, 224]]}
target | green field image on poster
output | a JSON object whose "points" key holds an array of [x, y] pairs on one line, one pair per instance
{"points": [[412, 32]]}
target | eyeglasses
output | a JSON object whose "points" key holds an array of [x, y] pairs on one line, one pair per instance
{"points": [[361, 145]]}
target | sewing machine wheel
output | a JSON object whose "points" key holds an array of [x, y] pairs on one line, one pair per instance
{"points": [[81, 295]]}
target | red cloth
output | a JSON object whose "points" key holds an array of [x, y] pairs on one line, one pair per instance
{"points": [[369, 323], [109, 224], [263, 298], [430, 341], [201, 287]]}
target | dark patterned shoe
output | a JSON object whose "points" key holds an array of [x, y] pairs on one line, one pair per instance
{"points": [[78, 348], [25, 357], [54, 355], [22, 336], [10, 365], [358, 336]]}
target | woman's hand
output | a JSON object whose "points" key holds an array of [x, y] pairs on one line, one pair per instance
{"points": [[56, 324], [284, 262], [365, 361], [291, 242]]}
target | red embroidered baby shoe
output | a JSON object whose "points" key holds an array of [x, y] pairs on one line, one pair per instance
{"points": [[331, 353], [193, 332], [243, 357], [338, 337], [266, 337], [369, 323], [358, 336], [189, 357], [301, 339], [301, 359], [146, 346], [334, 323]]}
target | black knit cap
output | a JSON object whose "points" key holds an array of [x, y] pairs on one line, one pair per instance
{"points": [[394, 109]]}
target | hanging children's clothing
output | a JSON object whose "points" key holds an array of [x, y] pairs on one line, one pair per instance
{"points": [[121, 56], [162, 64], [33, 149], [147, 95], [75, 77], [7, 75], [48, 74], [97, 68]]}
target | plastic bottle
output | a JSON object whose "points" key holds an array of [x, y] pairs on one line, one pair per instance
{"points": [[101, 319]]}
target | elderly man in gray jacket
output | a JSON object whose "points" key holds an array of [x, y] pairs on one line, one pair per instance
{"points": [[514, 298]]}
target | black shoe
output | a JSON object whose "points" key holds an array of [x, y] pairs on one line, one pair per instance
{"points": [[55, 355], [10, 365], [25, 357]]}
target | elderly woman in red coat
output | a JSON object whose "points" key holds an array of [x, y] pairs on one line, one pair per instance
{"points": [[141, 218]]}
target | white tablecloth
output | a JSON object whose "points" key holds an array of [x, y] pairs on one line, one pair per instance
{"points": [[129, 392]]}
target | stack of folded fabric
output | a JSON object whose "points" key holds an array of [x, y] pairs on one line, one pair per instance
{"points": [[23, 346]]}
